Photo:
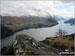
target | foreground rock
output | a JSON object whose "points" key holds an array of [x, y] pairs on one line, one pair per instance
{"points": [[26, 45]]}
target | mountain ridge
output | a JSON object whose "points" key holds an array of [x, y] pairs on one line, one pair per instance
{"points": [[19, 23]]}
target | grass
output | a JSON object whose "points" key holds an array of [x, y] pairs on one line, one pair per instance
{"points": [[7, 50], [62, 43]]}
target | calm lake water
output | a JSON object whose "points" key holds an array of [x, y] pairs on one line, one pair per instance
{"points": [[39, 33]]}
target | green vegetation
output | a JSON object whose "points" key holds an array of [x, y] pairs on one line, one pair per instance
{"points": [[5, 30], [7, 50], [29, 50]]}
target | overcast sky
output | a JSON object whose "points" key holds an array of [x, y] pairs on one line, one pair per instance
{"points": [[38, 8]]}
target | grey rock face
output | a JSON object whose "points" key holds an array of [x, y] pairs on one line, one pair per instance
{"points": [[26, 45]]}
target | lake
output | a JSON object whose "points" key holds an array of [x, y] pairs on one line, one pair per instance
{"points": [[39, 33]]}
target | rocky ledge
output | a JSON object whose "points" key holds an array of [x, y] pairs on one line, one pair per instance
{"points": [[26, 45]]}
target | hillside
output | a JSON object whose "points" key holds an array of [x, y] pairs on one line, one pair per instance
{"points": [[27, 45], [62, 43], [11, 24], [58, 18], [70, 21]]}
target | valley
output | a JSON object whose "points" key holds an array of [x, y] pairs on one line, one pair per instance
{"points": [[10, 25]]}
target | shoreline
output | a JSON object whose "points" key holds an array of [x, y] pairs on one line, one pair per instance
{"points": [[26, 29]]}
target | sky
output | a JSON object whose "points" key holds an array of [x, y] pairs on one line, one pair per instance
{"points": [[38, 8]]}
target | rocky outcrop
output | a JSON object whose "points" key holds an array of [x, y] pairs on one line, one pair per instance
{"points": [[26, 45]]}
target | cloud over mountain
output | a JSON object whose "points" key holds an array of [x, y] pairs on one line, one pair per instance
{"points": [[38, 8]]}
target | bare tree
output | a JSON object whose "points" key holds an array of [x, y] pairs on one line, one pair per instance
{"points": [[61, 32]]}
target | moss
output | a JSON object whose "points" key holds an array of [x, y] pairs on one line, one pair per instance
{"points": [[7, 50], [29, 49]]}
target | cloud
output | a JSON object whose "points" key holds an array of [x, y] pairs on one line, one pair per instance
{"points": [[37, 8], [67, 1]]}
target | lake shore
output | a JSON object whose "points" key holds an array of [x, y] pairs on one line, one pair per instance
{"points": [[38, 33], [17, 30]]}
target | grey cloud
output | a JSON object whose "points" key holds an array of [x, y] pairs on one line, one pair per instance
{"points": [[67, 1]]}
